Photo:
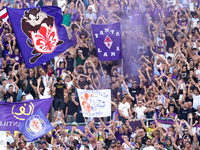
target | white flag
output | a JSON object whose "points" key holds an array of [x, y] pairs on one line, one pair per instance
{"points": [[4, 15], [95, 103]]}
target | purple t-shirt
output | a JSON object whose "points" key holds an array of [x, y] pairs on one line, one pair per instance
{"points": [[119, 136], [172, 114], [18, 58], [60, 70], [72, 16], [136, 17]]}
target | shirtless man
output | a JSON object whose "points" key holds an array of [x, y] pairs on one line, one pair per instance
{"points": [[195, 56], [48, 2], [93, 59]]}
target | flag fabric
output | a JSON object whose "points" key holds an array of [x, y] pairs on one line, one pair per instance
{"points": [[35, 126], [95, 103], [12, 114], [39, 33], [4, 15], [108, 42]]}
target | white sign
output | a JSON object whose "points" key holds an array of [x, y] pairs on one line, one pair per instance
{"points": [[3, 142], [95, 103]]}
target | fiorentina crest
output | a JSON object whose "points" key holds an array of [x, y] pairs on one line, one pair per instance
{"points": [[35, 125], [108, 42], [41, 32]]}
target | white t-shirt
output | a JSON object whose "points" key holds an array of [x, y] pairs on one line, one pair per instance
{"points": [[161, 99], [29, 97], [60, 3], [69, 84], [46, 94], [169, 54], [140, 111], [7, 87], [126, 147], [170, 2], [93, 8], [55, 60], [197, 73], [149, 148], [124, 108], [82, 147], [195, 21], [10, 139], [196, 101]]}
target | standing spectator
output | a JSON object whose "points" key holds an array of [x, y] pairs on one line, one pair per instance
{"points": [[71, 108], [59, 97], [124, 110], [139, 110]]}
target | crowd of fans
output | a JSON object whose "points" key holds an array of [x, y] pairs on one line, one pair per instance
{"points": [[159, 79]]}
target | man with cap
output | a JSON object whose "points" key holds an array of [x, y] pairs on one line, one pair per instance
{"points": [[74, 129], [44, 145], [86, 144], [39, 145], [149, 130], [80, 59], [135, 90]]}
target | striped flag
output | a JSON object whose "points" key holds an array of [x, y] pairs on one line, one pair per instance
{"points": [[4, 15]]}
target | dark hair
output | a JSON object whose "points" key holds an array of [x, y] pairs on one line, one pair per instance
{"points": [[86, 146], [58, 79], [74, 26], [182, 146], [169, 57], [105, 147], [91, 53], [10, 85], [20, 143]]}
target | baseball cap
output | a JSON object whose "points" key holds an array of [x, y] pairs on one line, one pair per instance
{"points": [[86, 140], [80, 51], [134, 82], [43, 142], [74, 124]]}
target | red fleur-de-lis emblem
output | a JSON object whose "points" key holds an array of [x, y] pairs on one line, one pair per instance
{"points": [[85, 104], [46, 39]]}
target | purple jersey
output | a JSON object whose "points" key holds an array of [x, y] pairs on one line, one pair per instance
{"points": [[137, 17], [18, 58]]}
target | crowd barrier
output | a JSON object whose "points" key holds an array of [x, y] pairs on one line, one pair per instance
{"points": [[134, 123]]}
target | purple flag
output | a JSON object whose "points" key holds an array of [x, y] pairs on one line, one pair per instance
{"points": [[35, 126], [12, 114], [39, 33], [108, 42]]}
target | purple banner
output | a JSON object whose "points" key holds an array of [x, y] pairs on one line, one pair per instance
{"points": [[108, 42], [172, 122], [12, 114]]}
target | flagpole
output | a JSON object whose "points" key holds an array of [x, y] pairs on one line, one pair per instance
{"points": [[101, 68], [60, 138], [122, 66]]}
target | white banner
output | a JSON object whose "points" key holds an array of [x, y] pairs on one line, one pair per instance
{"points": [[95, 103], [3, 142]]}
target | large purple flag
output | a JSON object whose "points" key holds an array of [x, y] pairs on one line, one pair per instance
{"points": [[12, 114], [39, 33], [108, 42]]}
